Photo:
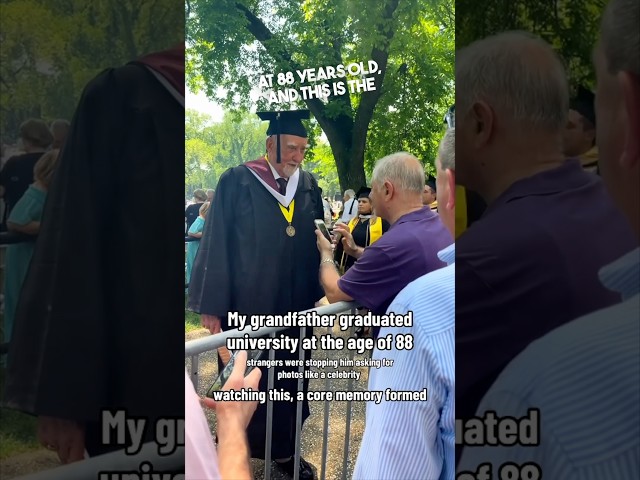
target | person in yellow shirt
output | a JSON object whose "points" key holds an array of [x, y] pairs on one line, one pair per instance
{"points": [[365, 228]]}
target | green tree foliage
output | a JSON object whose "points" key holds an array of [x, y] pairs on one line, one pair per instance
{"points": [[419, 90], [52, 48], [230, 43], [571, 26], [322, 166], [212, 148]]}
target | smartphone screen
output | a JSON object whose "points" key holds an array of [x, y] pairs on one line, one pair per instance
{"points": [[226, 371], [323, 228]]}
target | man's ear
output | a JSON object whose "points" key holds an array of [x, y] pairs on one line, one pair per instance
{"points": [[483, 117], [269, 143], [388, 189], [630, 86], [451, 185]]}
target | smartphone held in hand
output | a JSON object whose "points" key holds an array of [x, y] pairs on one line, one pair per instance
{"points": [[226, 372], [323, 228]]}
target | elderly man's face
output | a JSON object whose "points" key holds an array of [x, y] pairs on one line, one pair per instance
{"points": [[375, 196], [292, 151]]}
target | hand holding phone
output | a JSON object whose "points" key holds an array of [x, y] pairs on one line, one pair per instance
{"points": [[226, 371], [228, 413], [323, 229]]}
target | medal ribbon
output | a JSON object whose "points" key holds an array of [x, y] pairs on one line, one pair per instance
{"points": [[287, 212]]}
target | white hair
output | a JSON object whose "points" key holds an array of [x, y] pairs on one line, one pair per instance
{"points": [[349, 193], [519, 75], [402, 169], [621, 37], [447, 150]]}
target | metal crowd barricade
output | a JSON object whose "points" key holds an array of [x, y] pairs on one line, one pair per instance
{"points": [[194, 348]]}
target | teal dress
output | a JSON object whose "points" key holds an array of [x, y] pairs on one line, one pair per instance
{"points": [[192, 247], [28, 209]]}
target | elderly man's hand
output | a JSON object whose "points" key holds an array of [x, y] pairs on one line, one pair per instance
{"points": [[211, 323], [65, 437], [324, 246]]}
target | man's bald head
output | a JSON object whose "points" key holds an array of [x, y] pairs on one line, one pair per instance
{"points": [[397, 184], [511, 109], [403, 170], [518, 75]]}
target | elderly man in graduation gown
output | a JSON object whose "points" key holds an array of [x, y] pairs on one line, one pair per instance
{"points": [[258, 256], [96, 324]]}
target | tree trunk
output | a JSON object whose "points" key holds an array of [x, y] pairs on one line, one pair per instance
{"points": [[349, 162], [350, 169]]}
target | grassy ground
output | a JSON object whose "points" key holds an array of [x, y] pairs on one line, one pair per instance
{"points": [[17, 430], [17, 433], [191, 322]]}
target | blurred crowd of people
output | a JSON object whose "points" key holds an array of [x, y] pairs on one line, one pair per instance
{"points": [[27, 169]]}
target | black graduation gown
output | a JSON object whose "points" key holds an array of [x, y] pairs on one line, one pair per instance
{"points": [[99, 320], [190, 214], [247, 263]]}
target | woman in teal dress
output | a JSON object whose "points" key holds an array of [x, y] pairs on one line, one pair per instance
{"points": [[195, 231], [25, 218]]}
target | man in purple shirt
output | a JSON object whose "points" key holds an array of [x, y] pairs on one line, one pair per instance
{"points": [[405, 252], [530, 263]]}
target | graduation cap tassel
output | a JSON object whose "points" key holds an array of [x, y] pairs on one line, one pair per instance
{"points": [[278, 138]]}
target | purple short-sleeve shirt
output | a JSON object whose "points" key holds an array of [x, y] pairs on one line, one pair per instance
{"points": [[407, 251]]}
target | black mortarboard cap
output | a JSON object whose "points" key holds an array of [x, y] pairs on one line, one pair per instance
{"points": [[430, 181], [363, 192], [583, 104], [285, 123]]}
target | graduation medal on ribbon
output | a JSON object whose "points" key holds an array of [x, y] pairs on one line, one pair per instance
{"points": [[288, 216]]}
